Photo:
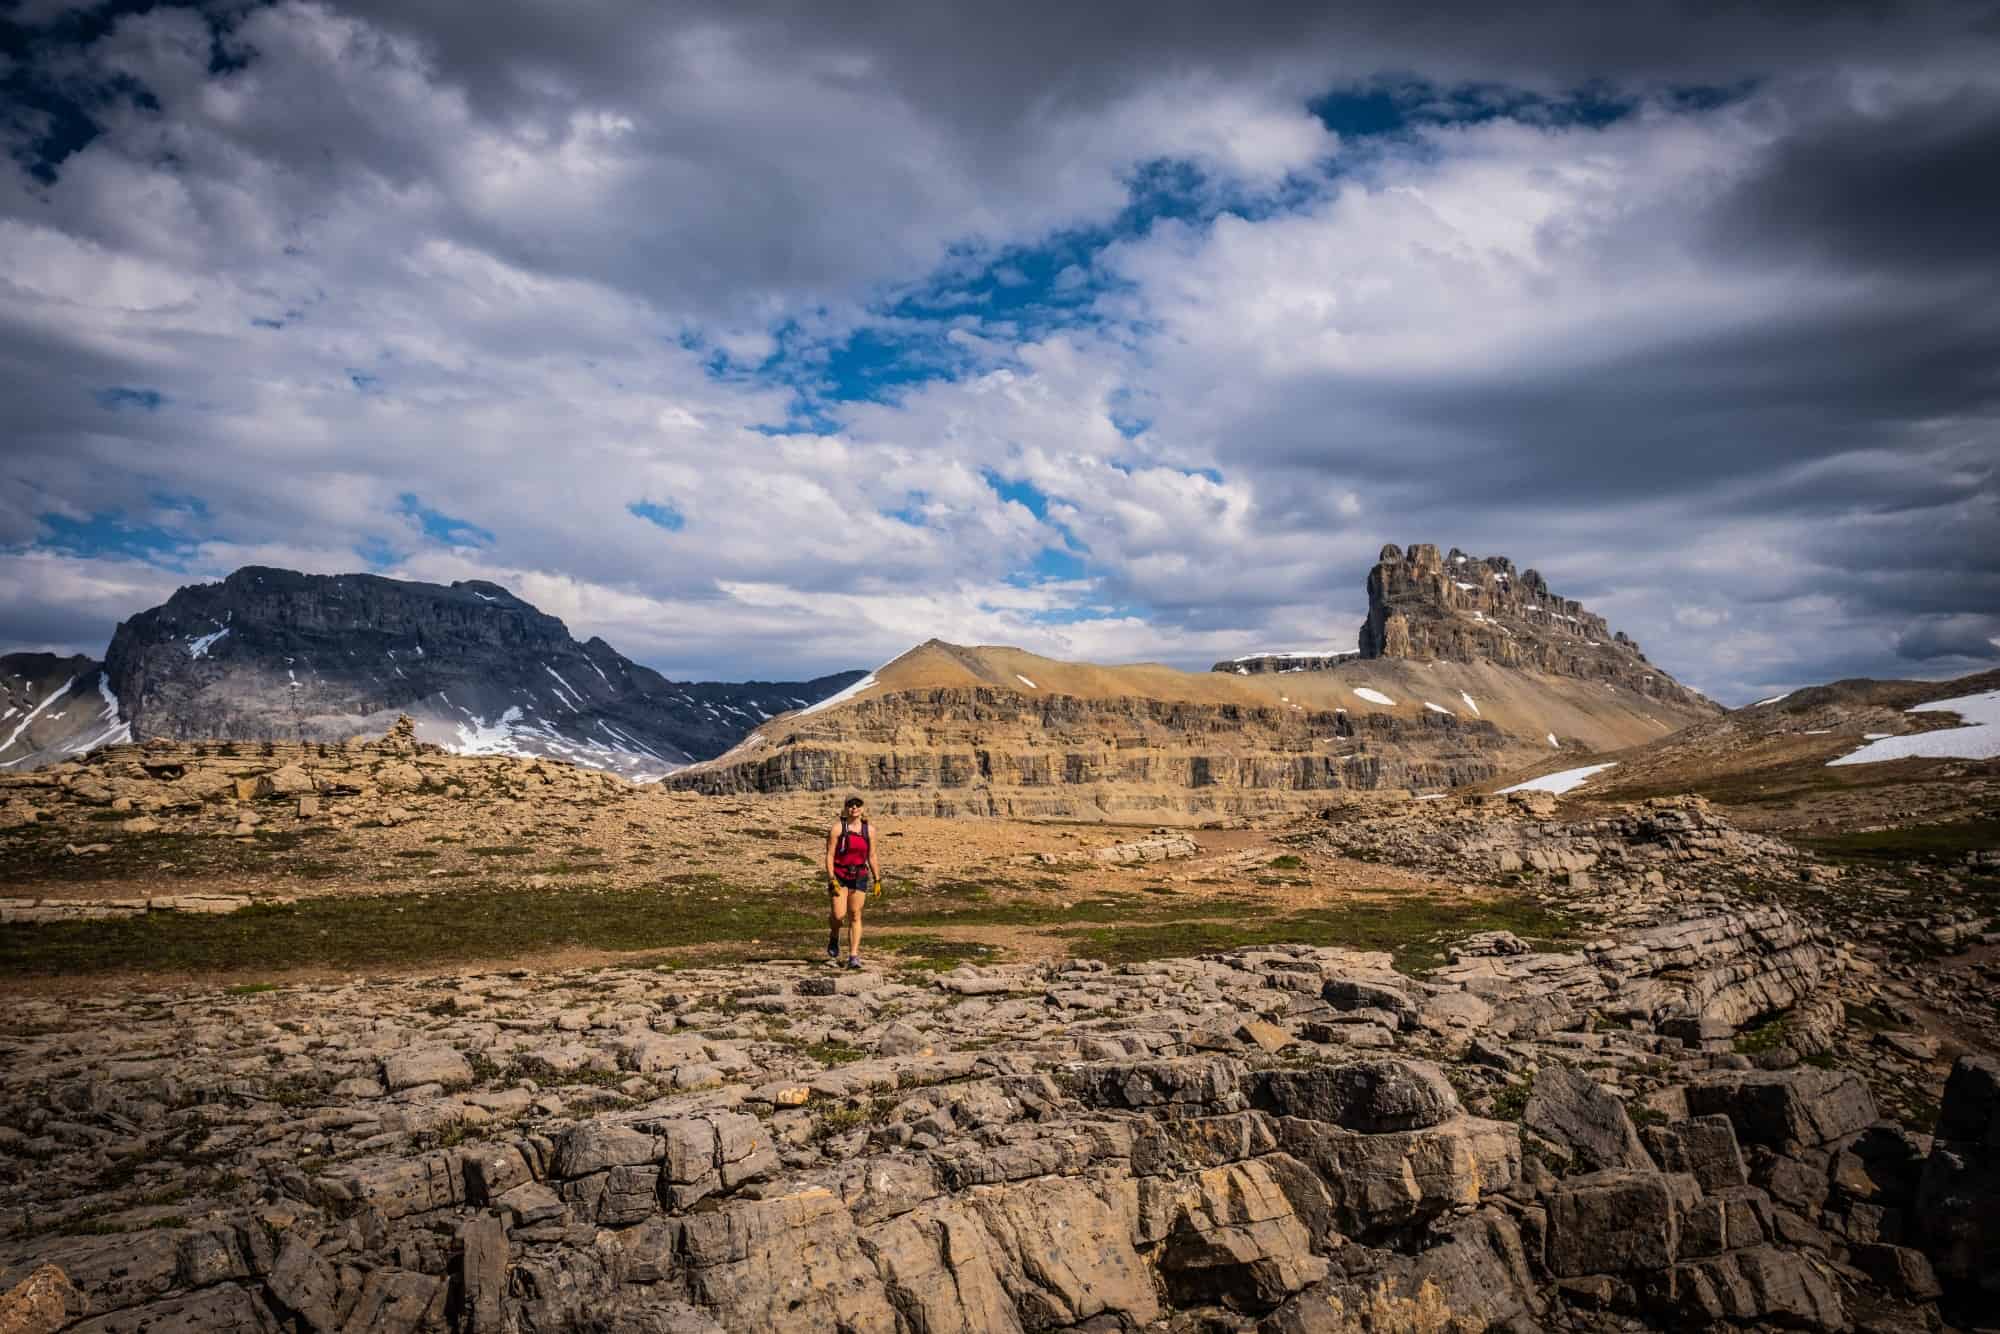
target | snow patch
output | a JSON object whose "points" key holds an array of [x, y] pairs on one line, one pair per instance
{"points": [[1372, 695], [22, 726], [575, 701], [1026, 682], [841, 698], [1977, 739], [1566, 781], [1470, 703], [1439, 708], [1773, 700], [200, 647], [478, 738], [1553, 742]]}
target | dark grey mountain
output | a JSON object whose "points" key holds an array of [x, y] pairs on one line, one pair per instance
{"points": [[54, 708], [274, 654]]}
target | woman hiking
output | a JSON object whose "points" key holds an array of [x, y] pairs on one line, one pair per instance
{"points": [[850, 870]]}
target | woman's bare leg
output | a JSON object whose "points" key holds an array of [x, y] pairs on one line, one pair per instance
{"points": [[854, 902], [835, 918]]}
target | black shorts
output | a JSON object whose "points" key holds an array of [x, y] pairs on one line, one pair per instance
{"points": [[851, 886]]}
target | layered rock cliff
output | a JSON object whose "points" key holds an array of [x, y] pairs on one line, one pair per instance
{"points": [[271, 654], [951, 730], [1460, 608]]}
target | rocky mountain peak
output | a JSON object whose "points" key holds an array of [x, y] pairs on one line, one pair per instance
{"points": [[1457, 607], [270, 654]]}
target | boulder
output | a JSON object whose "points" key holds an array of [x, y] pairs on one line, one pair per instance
{"points": [[1617, 1221], [1572, 1109], [595, 1146], [1189, 1082], [1385, 1182], [1971, 1109], [399, 777], [1370, 1096], [41, 1303], [1786, 1110], [440, 1065], [1760, 1284], [1704, 1147], [1349, 993], [306, 1286], [287, 781]]}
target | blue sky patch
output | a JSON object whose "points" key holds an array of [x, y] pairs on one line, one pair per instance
{"points": [[658, 513], [1009, 295], [109, 534], [1057, 563], [441, 527], [377, 554], [1025, 493], [119, 397]]}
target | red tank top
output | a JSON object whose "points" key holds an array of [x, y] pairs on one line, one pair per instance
{"points": [[851, 853]]}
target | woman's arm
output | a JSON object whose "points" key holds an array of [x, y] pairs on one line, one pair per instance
{"points": [[832, 842]]}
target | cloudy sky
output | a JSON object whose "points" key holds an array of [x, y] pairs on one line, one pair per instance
{"points": [[766, 339]]}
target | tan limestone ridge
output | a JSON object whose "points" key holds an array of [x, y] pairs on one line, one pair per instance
{"points": [[949, 729]]}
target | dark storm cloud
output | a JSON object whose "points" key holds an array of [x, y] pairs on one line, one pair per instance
{"points": [[1967, 637], [1915, 190]]}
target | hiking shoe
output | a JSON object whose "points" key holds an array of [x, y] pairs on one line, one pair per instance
{"points": [[853, 961]]}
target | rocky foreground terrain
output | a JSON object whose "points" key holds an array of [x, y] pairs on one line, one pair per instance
{"points": [[1707, 1110], [1284, 1139], [1612, 1066]]}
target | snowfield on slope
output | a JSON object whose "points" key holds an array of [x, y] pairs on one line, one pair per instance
{"points": [[841, 698], [1567, 780], [1978, 739], [1372, 695]]}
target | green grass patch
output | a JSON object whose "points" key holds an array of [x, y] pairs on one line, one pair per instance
{"points": [[834, 1053], [1927, 843], [406, 929], [1767, 1036], [929, 954], [501, 850], [1287, 862], [418, 854]]}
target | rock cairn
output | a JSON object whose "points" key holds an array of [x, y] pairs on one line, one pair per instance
{"points": [[1278, 1139]]}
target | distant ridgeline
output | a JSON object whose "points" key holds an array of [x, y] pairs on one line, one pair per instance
{"points": [[1465, 670], [270, 654]]}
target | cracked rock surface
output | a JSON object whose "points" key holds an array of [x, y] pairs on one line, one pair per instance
{"points": [[1521, 1140]]}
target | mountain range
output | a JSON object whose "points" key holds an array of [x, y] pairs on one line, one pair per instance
{"points": [[1464, 670], [269, 654]]}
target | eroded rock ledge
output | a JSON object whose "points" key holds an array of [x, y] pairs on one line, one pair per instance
{"points": [[1282, 1139]]}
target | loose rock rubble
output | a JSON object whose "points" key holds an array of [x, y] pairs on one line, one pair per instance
{"points": [[1629, 867], [1164, 846], [1282, 1139], [235, 788]]}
